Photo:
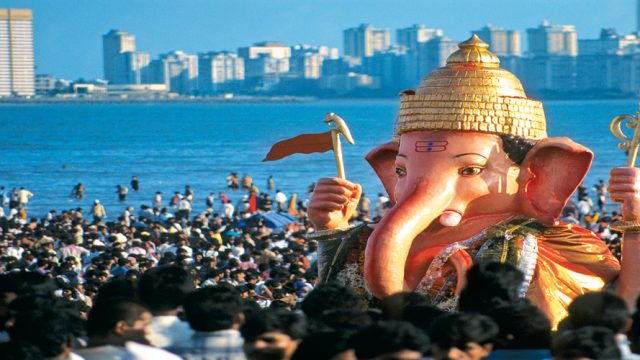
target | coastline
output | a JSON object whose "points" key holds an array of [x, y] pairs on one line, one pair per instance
{"points": [[251, 99], [176, 100]]}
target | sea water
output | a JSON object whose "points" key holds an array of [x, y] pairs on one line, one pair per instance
{"points": [[50, 148]]}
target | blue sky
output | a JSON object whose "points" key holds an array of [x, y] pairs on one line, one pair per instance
{"points": [[68, 32]]}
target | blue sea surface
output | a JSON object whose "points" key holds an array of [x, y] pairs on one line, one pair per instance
{"points": [[50, 148]]}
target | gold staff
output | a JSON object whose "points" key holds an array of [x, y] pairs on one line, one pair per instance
{"points": [[339, 128], [630, 145]]}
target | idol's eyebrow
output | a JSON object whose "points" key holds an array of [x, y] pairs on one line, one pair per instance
{"points": [[465, 154], [402, 155]]}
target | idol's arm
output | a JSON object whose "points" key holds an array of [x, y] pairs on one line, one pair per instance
{"points": [[624, 187], [628, 286]]}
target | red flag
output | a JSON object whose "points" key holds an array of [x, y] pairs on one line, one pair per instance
{"points": [[253, 203], [301, 144]]}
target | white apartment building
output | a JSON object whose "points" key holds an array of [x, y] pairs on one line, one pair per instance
{"points": [[218, 69], [16, 53], [364, 41]]}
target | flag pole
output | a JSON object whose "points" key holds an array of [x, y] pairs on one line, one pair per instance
{"points": [[337, 153], [339, 128]]}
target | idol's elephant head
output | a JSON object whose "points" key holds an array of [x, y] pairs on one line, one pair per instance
{"points": [[445, 182], [472, 151]]}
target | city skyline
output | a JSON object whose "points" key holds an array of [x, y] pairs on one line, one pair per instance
{"points": [[67, 33]]}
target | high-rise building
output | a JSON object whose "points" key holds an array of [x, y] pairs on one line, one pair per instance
{"points": [[411, 38], [114, 44], [549, 73], [387, 69], [609, 42], [265, 63], [638, 16], [219, 71], [365, 41], [48, 85], [549, 39], [177, 70], [306, 60], [16, 53], [122, 63], [501, 42]]}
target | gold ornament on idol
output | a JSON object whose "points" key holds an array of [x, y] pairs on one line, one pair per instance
{"points": [[472, 93], [629, 145]]}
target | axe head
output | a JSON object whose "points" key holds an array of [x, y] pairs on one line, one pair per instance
{"points": [[339, 126]]}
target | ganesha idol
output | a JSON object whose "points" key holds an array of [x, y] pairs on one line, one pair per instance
{"points": [[473, 177]]}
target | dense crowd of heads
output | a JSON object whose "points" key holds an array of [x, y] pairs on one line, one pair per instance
{"points": [[234, 286]]}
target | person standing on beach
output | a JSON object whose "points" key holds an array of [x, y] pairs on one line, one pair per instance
{"points": [[122, 192], [601, 193], [188, 193], [126, 215], [23, 197], [135, 185], [184, 209], [4, 197], [281, 200], [173, 203], [271, 183], [226, 211], [98, 212], [209, 200], [364, 206], [157, 200], [14, 200]]}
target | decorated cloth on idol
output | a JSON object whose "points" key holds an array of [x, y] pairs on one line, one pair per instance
{"points": [[559, 262]]}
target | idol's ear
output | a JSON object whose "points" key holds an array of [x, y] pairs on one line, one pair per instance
{"points": [[549, 174], [382, 159]]}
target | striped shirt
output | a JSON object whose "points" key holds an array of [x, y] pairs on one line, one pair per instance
{"points": [[215, 345]]}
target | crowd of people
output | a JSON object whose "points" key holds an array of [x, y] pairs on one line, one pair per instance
{"points": [[225, 283]]}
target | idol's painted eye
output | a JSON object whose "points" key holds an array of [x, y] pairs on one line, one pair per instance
{"points": [[471, 171], [401, 172]]}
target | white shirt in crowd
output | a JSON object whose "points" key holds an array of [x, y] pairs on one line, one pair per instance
{"points": [[280, 197], [168, 330], [184, 205], [227, 210]]}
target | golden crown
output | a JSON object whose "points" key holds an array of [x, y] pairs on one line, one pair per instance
{"points": [[472, 93]]}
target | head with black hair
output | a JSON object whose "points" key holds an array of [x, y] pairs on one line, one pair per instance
{"points": [[490, 284], [329, 344], [599, 309], [214, 308], [272, 334], [348, 321], [461, 334], [115, 321], [634, 333], [522, 326], [16, 284], [45, 329], [332, 296], [421, 315], [590, 342], [118, 288], [164, 288], [392, 306], [390, 339]]}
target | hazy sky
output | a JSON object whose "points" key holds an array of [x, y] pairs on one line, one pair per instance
{"points": [[68, 40]]}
